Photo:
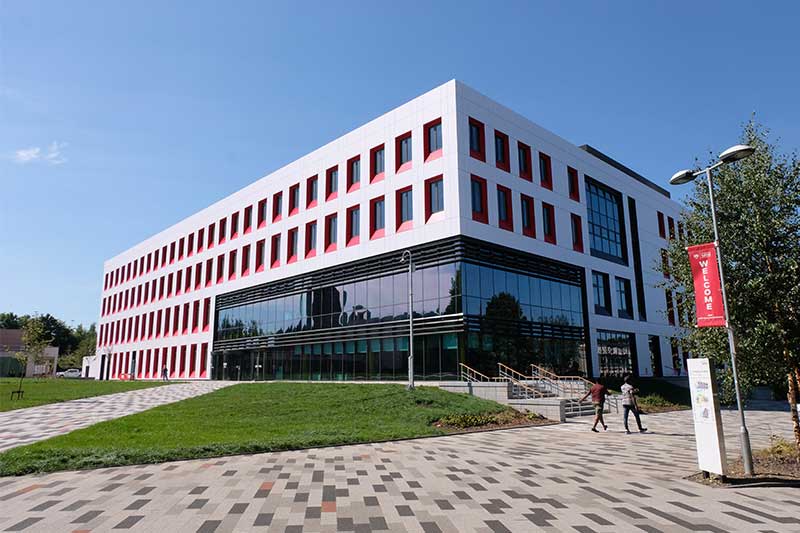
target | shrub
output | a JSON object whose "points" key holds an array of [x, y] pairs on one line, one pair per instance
{"points": [[468, 420]]}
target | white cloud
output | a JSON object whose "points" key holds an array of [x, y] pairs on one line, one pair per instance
{"points": [[52, 155]]}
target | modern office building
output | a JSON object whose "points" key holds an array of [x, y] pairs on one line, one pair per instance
{"points": [[526, 248]]}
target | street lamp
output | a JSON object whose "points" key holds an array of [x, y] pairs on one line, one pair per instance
{"points": [[732, 154], [407, 254]]}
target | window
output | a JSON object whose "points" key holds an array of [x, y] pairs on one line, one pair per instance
{"points": [[434, 196], [248, 220], [294, 199], [235, 225], [577, 233], [189, 247], [433, 139], [624, 298], [196, 316], [665, 263], [477, 142], [277, 206], [291, 246], [670, 307], [181, 248], [262, 213], [549, 222], [232, 265], [402, 152], [377, 217], [376, 164], [187, 285], [185, 329], [210, 243], [606, 223], [501, 156], [311, 239], [209, 272], [574, 190], [206, 313], [312, 185], [198, 276], [616, 352], [275, 251], [353, 226], [200, 239], [178, 282], [353, 173], [331, 183], [602, 293], [220, 268], [404, 209], [331, 227], [671, 224], [524, 156], [662, 229], [528, 219], [505, 217], [222, 230], [171, 253], [260, 255], [545, 171], [479, 209]]}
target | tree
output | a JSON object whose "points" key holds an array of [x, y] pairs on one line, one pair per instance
{"points": [[12, 321], [86, 340], [34, 340], [758, 215]]}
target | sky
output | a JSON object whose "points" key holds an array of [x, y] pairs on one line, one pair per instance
{"points": [[119, 119]]}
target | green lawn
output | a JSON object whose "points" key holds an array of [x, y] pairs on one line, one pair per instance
{"points": [[52, 390], [249, 418]]}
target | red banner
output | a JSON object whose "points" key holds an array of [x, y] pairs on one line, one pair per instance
{"points": [[707, 291]]}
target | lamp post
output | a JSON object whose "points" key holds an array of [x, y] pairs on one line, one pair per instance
{"points": [[407, 257], [732, 154]]}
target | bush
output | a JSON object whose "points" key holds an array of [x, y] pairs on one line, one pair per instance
{"points": [[468, 420]]}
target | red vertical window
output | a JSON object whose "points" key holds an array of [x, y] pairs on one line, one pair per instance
{"points": [[182, 372], [245, 268], [311, 239], [432, 140], [161, 288], [331, 229], [549, 222], [331, 183], [178, 282], [167, 316], [545, 171], [352, 225], [402, 152], [209, 272], [198, 276], [203, 359], [662, 228], [181, 248], [277, 206], [353, 173], [136, 329], [164, 255], [173, 363], [192, 364], [187, 284], [505, 213], [377, 163], [477, 140], [434, 196], [201, 239], [185, 329], [190, 245], [262, 213], [220, 268], [172, 252], [275, 251], [158, 324], [525, 162], [260, 245], [577, 233], [235, 225], [312, 191], [248, 220], [223, 229], [210, 242], [502, 158], [294, 199], [404, 209], [169, 285], [480, 209], [232, 265], [377, 217], [196, 316], [291, 245], [574, 188], [528, 218], [206, 313]]}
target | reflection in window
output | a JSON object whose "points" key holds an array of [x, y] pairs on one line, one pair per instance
{"points": [[605, 219], [616, 352]]}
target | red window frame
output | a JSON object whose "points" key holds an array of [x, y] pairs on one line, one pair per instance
{"points": [[479, 155], [231, 265], [261, 215], [210, 241], [171, 252], [235, 225], [374, 232], [426, 130], [292, 237], [311, 202], [399, 225], [330, 243], [190, 245], [209, 272], [398, 165], [549, 214], [671, 227], [248, 220], [662, 228], [375, 176], [277, 206], [220, 268], [198, 276], [245, 266], [477, 215], [428, 183], [350, 239], [206, 313], [574, 184], [223, 229], [506, 152], [507, 224], [187, 284], [350, 185], [310, 251], [294, 199], [577, 233], [524, 152], [195, 316], [670, 307], [167, 316], [329, 193], [260, 246], [275, 251], [201, 239], [665, 263], [178, 282], [529, 231], [546, 178], [185, 328], [176, 319]]}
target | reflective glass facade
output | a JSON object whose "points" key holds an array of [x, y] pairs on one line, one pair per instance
{"points": [[606, 226]]}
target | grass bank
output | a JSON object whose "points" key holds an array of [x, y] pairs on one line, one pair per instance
{"points": [[53, 390], [250, 418]]}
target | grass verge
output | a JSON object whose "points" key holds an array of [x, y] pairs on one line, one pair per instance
{"points": [[250, 418], [53, 390]]}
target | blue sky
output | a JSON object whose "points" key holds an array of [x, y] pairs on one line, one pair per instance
{"points": [[118, 119]]}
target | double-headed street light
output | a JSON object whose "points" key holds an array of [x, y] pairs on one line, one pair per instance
{"points": [[407, 257], [732, 154]]}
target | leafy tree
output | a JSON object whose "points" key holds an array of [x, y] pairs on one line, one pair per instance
{"points": [[35, 339], [758, 215], [12, 321], [85, 340]]}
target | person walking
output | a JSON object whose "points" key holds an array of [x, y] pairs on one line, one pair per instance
{"points": [[629, 405], [164, 374], [598, 392]]}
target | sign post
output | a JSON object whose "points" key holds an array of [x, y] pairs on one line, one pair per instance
{"points": [[709, 437]]}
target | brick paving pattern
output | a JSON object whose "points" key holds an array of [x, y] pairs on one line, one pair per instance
{"points": [[24, 426], [554, 478]]}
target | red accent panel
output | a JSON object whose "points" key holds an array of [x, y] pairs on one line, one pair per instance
{"points": [[311, 251], [192, 358], [505, 163], [181, 248], [399, 166], [526, 204], [507, 224], [198, 276], [277, 206], [232, 265], [203, 359], [350, 239], [374, 175], [662, 229], [294, 199], [190, 245], [235, 225], [201, 239], [291, 245], [275, 251], [262, 213], [426, 134], [210, 241], [577, 233], [245, 268], [206, 313], [546, 171], [248, 220], [172, 361], [574, 190], [524, 152], [481, 153], [374, 231], [480, 216], [550, 214], [330, 242], [220, 268], [223, 230], [399, 225], [331, 183], [196, 316], [312, 184], [351, 186], [260, 255], [185, 329]]}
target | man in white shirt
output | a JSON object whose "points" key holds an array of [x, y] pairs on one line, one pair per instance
{"points": [[629, 404]]}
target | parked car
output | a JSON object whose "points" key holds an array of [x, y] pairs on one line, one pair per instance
{"points": [[69, 373]]}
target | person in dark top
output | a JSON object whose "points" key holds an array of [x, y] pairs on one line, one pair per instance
{"points": [[164, 374], [598, 392]]}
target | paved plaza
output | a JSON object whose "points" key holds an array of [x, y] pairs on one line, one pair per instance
{"points": [[554, 478], [24, 426]]}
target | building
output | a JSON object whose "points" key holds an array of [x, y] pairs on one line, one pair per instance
{"points": [[11, 344], [527, 249]]}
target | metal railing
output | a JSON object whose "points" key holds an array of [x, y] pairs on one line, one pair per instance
{"points": [[571, 387], [519, 388], [472, 375]]}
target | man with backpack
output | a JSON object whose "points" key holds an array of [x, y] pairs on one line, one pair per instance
{"points": [[629, 405]]}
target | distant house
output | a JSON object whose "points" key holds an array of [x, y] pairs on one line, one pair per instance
{"points": [[11, 344]]}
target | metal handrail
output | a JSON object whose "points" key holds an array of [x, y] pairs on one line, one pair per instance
{"points": [[509, 373], [470, 374], [560, 382]]}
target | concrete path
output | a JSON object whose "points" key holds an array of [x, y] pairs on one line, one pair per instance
{"points": [[555, 478], [24, 426]]}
